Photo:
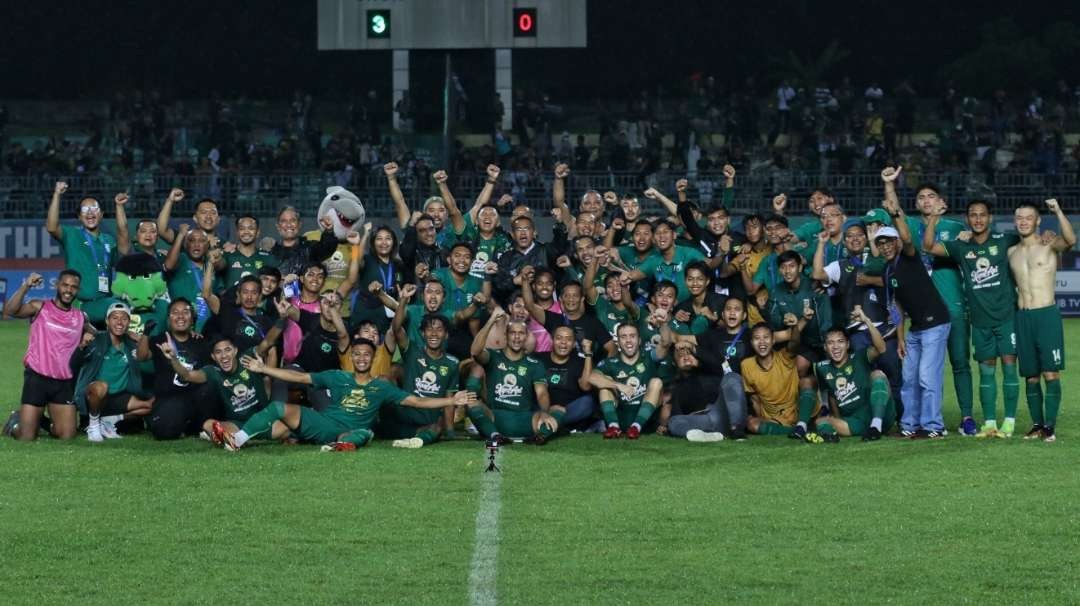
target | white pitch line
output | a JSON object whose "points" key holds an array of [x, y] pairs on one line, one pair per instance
{"points": [[484, 571]]}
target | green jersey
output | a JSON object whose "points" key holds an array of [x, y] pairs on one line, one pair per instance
{"points": [[488, 250], [636, 374], [510, 382], [629, 257], [238, 265], [768, 271], [658, 268], [415, 317], [458, 297], [426, 377], [943, 271], [988, 283], [354, 405], [241, 392], [848, 384], [609, 315], [808, 231], [186, 281], [93, 256], [783, 300]]}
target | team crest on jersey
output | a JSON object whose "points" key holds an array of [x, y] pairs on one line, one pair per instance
{"points": [[442, 370], [944, 235], [971, 255], [521, 370], [555, 379], [427, 383], [984, 271], [249, 331], [993, 250], [325, 347], [258, 264], [422, 362], [640, 367], [356, 399], [622, 375]]}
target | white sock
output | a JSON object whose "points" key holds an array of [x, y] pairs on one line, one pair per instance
{"points": [[612, 424], [990, 424], [876, 423], [801, 424], [114, 419], [95, 420], [1010, 419], [636, 424], [240, 438]]}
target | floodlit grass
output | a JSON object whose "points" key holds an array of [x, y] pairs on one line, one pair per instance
{"points": [[582, 521]]}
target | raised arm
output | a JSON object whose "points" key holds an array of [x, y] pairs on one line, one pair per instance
{"points": [[876, 341], [256, 365], [889, 175], [164, 231], [52, 218], [397, 326], [123, 236], [558, 187], [452, 211], [654, 194], [686, 214], [538, 313], [818, 272], [1067, 239], [14, 306], [172, 259], [478, 349], [588, 281], [583, 380], [272, 335], [191, 376], [212, 300], [928, 244], [390, 169], [484, 196], [796, 327], [356, 254]]}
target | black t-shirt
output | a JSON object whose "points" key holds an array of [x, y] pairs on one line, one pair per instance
{"points": [[318, 347], [907, 280], [693, 392], [246, 331], [585, 327], [716, 345], [194, 353], [562, 378]]}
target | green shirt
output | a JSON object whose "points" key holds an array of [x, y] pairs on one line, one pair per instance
{"points": [[808, 231], [353, 404], [943, 271], [629, 257], [988, 283], [115, 370], [238, 265], [415, 316], [609, 315], [510, 382], [637, 375], [488, 250], [429, 377], [458, 297], [659, 269], [783, 300], [768, 271], [93, 256], [849, 384], [241, 391], [186, 281]]}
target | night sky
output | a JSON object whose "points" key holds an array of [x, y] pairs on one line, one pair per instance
{"points": [[266, 48]]}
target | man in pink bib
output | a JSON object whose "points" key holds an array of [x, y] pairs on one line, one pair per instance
{"points": [[56, 330]]}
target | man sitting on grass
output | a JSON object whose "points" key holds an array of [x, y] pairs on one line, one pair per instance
{"points": [[630, 376], [355, 401], [772, 381]]}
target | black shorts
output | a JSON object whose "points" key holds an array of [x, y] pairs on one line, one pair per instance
{"points": [[813, 354], [116, 403], [39, 390]]}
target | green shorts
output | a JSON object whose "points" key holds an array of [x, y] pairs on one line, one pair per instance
{"points": [[858, 424], [994, 342], [320, 428], [513, 423], [1040, 341]]}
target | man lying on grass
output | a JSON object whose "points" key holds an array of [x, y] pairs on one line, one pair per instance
{"points": [[355, 401]]}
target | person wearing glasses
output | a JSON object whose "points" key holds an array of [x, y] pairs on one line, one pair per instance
{"points": [[88, 250]]}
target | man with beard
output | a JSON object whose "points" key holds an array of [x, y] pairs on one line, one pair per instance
{"points": [[517, 399], [630, 376], [56, 329], [707, 395], [346, 425], [185, 266], [863, 405], [87, 250], [671, 262], [108, 384], [246, 259], [526, 252], [568, 376], [206, 217], [574, 313], [178, 405], [427, 372]]}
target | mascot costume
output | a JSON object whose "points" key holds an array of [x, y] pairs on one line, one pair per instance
{"points": [[347, 214], [139, 283]]}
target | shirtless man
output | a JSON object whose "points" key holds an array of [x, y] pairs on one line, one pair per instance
{"points": [[1040, 342]]}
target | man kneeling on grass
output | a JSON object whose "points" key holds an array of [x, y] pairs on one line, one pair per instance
{"points": [[355, 401], [776, 392], [863, 401]]}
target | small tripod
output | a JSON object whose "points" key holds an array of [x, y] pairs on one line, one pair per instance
{"points": [[493, 451]]}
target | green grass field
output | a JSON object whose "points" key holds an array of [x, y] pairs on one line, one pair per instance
{"points": [[580, 521]]}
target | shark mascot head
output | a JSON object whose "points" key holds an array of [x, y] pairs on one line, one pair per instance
{"points": [[344, 209]]}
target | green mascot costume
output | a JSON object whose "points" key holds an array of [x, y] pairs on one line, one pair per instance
{"points": [[139, 283]]}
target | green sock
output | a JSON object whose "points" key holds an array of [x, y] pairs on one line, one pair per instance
{"points": [[611, 417], [558, 416], [1010, 388], [428, 435], [1035, 402], [645, 412], [879, 397], [359, 437], [1053, 401], [962, 385], [807, 400], [988, 391], [483, 423], [262, 421], [474, 384], [825, 428]]}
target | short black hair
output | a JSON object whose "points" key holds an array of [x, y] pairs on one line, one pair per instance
{"points": [[569, 283], [210, 201], [789, 255], [776, 218], [758, 325], [699, 266], [249, 278], [664, 222], [821, 189], [1031, 205], [430, 319], [181, 301], [362, 341], [218, 338], [313, 264], [664, 284], [243, 216], [268, 270], [71, 272], [934, 187], [977, 202], [463, 244]]}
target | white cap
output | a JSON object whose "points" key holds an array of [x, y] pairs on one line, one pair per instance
{"points": [[886, 232]]}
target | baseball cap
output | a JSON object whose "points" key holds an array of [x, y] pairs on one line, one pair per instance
{"points": [[118, 306], [853, 223], [886, 232], [877, 215]]}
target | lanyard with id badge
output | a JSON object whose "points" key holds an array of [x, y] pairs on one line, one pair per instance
{"points": [[732, 350], [103, 274], [202, 310]]}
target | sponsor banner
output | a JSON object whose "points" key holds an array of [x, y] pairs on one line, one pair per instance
{"points": [[1067, 292]]}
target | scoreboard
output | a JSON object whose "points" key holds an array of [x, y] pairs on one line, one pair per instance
{"points": [[450, 24]]}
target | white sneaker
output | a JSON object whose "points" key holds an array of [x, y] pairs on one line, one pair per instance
{"points": [[93, 433], [204, 436], [470, 428], [108, 431], [697, 435], [408, 443]]}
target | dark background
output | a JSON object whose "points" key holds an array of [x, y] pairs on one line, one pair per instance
{"points": [[267, 49]]}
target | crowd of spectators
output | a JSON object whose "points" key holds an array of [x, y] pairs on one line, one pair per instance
{"points": [[834, 128]]}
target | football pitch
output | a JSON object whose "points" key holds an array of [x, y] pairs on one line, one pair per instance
{"points": [[579, 521]]}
